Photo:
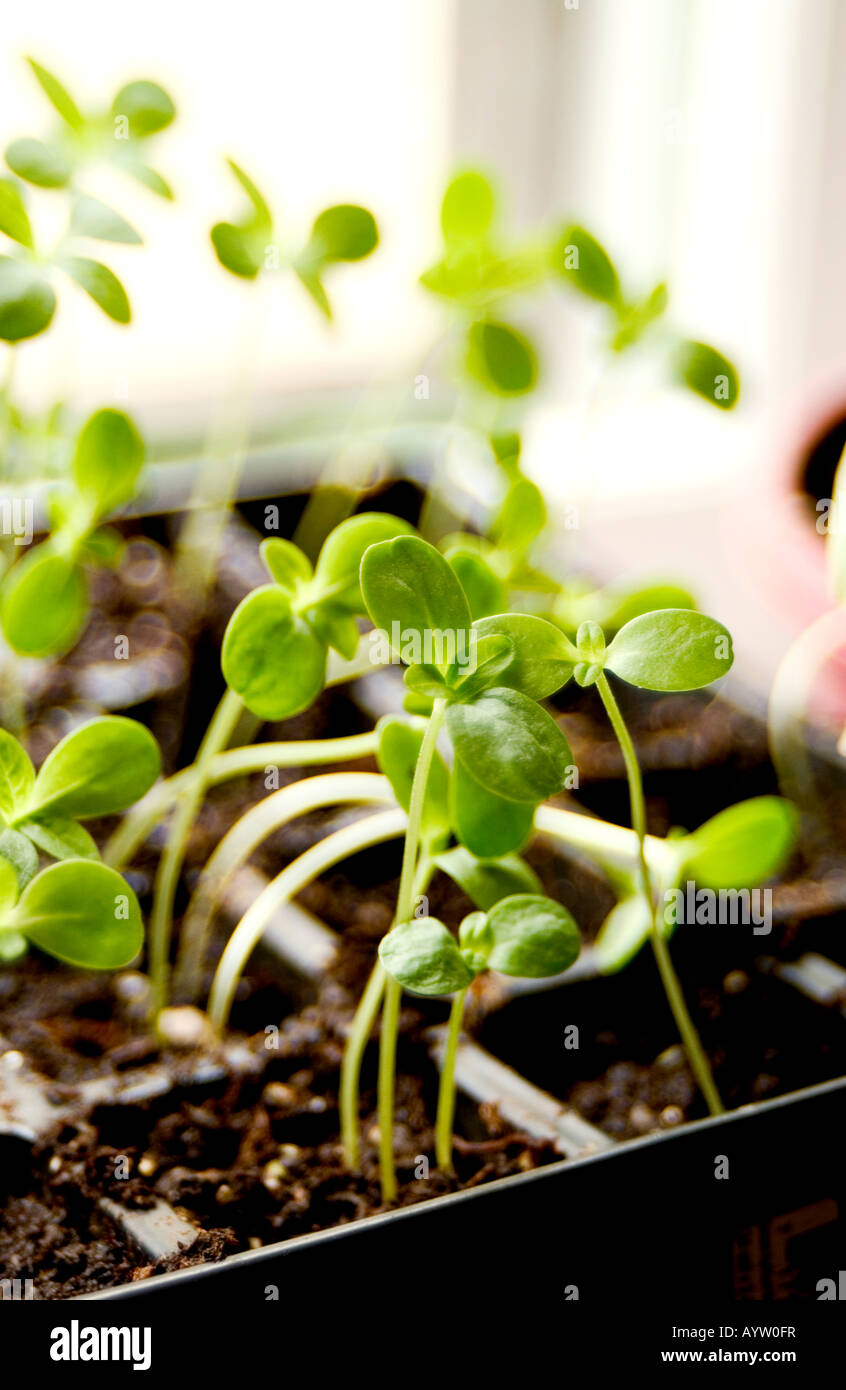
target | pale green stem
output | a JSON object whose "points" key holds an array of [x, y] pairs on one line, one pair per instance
{"points": [[384, 825], [797, 676], [244, 838], [218, 733], [609, 844], [446, 1092], [697, 1057], [362, 1025], [133, 830], [405, 907]]}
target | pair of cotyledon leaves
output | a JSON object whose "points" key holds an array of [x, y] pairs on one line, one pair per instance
{"points": [[343, 232], [526, 935], [476, 272], [509, 753], [44, 597], [78, 910], [27, 297]]}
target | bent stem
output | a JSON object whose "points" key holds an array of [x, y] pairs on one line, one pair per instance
{"points": [[393, 991], [218, 733], [360, 1030], [385, 825], [133, 830], [245, 836], [446, 1093], [699, 1063]]}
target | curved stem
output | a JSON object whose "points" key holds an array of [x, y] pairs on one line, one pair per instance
{"points": [[610, 844], [446, 1092], [362, 1026], [385, 825], [220, 730], [248, 833], [797, 676], [405, 906], [133, 830], [699, 1063]]}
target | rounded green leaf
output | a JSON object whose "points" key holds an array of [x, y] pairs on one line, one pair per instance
{"points": [[483, 588], [467, 209], [580, 260], [43, 604], [400, 741], [339, 561], [9, 889], [236, 250], [271, 658], [146, 106], [285, 563], [101, 284], [58, 95], [60, 837], [45, 165], [412, 593], [488, 825], [336, 628], [486, 881], [510, 745], [101, 767], [17, 775], [502, 359], [82, 913], [617, 607], [425, 958], [91, 218], [344, 233], [150, 178], [533, 937], [744, 845], [707, 372], [542, 659], [107, 459], [14, 221], [27, 301], [671, 649]]}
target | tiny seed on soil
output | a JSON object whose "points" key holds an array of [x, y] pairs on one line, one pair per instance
{"points": [[185, 1026], [224, 1194], [641, 1117], [147, 1165], [276, 1095], [671, 1115], [670, 1058]]}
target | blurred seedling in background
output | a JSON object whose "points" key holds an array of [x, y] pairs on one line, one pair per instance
{"points": [[44, 596]]}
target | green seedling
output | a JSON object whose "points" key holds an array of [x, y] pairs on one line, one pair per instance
{"points": [[481, 267], [525, 935], [79, 910], [100, 768], [277, 640], [672, 649], [44, 597], [274, 662], [248, 247], [482, 682], [119, 135]]}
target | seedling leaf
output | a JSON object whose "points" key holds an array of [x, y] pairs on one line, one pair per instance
{"points": [[409, 588], [44, 604], [488, 825], [486, 881], [533, 937], [671, 649], [468, 207], [512, 745], [399, 749], [45, 165], [707, 372], [339, 561], [744, 845], [107, 459], [146, 106], [343, 233], [501, 359], [27, 301], [91, 218], [425, 958], [101, 284], [58, 95], [543, 658], [102, 767], [580, 260], [82, 913], [14, 221], [271, 658]]}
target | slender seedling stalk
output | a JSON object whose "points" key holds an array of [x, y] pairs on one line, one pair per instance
{"points": [[393, 991], [446, 1093], [385, 825], [217, 735], [245, 836], [693, 1046]]}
